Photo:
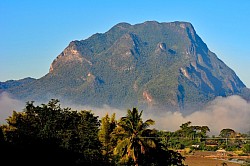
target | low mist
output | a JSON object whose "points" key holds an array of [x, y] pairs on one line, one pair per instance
{"points": [[223, 112], [7, 105]]}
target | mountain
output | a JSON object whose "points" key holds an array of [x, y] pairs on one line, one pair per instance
{"points": [[151, 64], [14, 83]]}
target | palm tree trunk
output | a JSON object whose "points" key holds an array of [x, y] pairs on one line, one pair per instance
{"points": [[136, 161]]}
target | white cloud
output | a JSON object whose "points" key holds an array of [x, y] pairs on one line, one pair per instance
{"points": [[223, 112]]}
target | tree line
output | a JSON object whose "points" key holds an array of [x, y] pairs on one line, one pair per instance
{"points": [[51, 135]]}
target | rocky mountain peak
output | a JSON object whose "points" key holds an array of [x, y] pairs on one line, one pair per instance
{"points": [[162, 65]]}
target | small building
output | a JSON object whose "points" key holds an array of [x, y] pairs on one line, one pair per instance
{"points": [[211, 143], [196, 146], [221, 152]]}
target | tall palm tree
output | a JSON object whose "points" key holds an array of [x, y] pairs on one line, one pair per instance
{"points": [[132, 134]]}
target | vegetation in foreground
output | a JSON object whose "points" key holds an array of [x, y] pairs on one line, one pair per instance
{"points": [[51, 135]]}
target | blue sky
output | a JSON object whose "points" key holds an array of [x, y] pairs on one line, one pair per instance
{"points": [[34, 32]]}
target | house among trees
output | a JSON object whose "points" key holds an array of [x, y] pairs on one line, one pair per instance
{"points": [[196, 146], [221, 152], [211, 143]]}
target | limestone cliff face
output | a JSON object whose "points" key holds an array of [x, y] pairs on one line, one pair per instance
{"points": [[165, 65], [71, 54]]}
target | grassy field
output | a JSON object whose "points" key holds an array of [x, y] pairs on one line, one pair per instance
{"points": [[207, 159], [199, 161]]}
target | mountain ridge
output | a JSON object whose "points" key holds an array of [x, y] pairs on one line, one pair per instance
{"points": [[163, 65]]}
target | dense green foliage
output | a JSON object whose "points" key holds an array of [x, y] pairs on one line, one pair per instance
{"points": [[108, 143], [51, 135], [165, 65], [132, 135], [196, 138], [48, 134]]}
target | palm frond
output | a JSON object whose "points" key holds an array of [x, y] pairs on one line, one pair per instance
{"points": [[134, 142], [122, 147]]}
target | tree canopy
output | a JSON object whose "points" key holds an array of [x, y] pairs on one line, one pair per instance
{"points": [[54, 135], [49, 134]]}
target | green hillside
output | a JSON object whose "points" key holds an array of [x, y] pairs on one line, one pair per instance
{"points": [[151, 64]]}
